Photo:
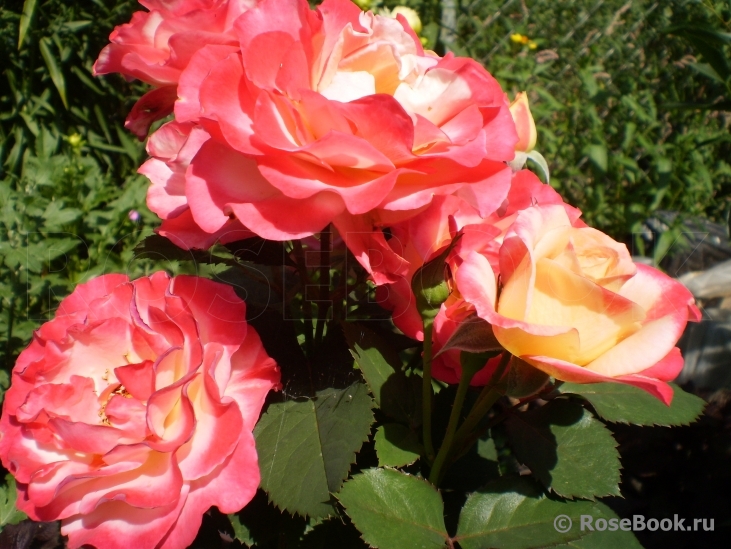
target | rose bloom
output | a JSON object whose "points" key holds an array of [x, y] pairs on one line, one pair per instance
{"points": [[424, 236], [560, 295], [570, 302], [345, 119], [417, 238], [172, 148], [156, 46], [131, 412]]}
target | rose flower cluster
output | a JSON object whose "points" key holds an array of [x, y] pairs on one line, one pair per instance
{"points": [[135, 405]]}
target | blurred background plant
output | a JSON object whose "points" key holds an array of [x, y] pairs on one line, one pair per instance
{"points": [[631, 98], [71, 203]]}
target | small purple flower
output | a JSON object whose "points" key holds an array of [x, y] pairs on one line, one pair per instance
{"points": [[134, 215]]}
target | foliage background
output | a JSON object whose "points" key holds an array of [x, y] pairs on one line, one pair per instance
{"points": [[628, 109]]}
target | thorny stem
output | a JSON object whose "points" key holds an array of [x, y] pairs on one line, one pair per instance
{"points": [[488, 397], [323, 304], [502, 417], [426, 390], [435, 475], [299, 257]]}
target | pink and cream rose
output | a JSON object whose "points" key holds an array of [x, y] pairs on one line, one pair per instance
{"points": [[344, 119], [570, 302], [157, 45], [131, 412], [171, 149], [424, 236]]}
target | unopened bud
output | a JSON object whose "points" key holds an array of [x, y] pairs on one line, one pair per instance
{"points": [[432, 283], [74, 140], [524, 123]]}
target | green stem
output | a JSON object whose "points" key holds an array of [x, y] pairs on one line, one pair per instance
{"points": [[299, 257], [488, 397], [545, 393], [435, 475], [323, 304], [426, 390]]}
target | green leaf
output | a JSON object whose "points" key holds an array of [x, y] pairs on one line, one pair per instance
{"points": [[524, 380], [306, 447], [162, 249], [396, 394], [706, 70], [513, 513], [76, 26], [394, 510], [478, 466], [89, 83], [620, 403], [9, 514], [4, 384], [598, 155], [568, 450], [709, 43], [53, 69], [333, 533], [260, 524], [473, 335], [42, 253], [131, 146], [610, 538], [57, 214], [29, 7], [540, 161], [241, 531], [396, 445]]}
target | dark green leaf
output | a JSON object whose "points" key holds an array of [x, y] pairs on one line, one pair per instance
{"points": [[622, 403], [336, 533], [89, 83], [53, 69], [524, 380], [706, 70], [709, 43], [241, 531], [568, 450], [396, 394], [394, 510], [260, 524], [598, 155], [4, 384], [478, 466], [29, 7], [75, 26], [131, 146], [161, 249], [513, 513], [306, 447], [57, 214], [611, 537], [396, 445], [706, 34], [473, 335], [9, 514]]}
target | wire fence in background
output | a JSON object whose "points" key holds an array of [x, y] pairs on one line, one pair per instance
{"points": [[601, 76]]}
